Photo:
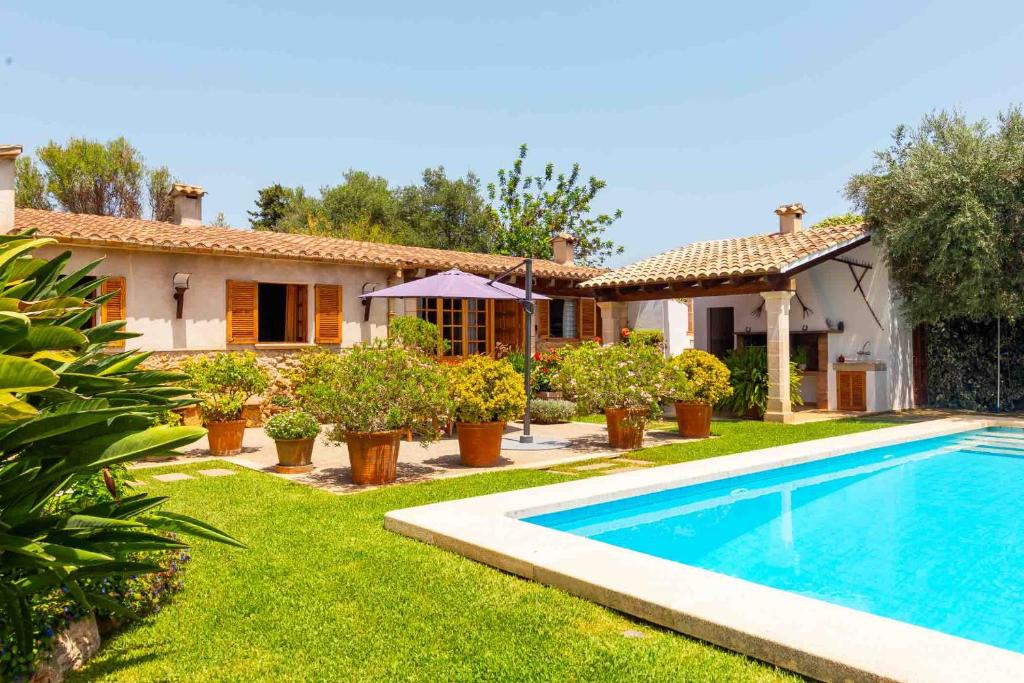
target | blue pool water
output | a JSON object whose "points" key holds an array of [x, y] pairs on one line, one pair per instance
{"points": [[929, 532]]}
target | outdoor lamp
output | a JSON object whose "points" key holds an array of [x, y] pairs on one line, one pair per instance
{"points": [[180, 281]]}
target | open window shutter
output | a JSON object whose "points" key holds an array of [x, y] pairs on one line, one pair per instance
{"points": [[588, 319], [328, 314], [243, 312], [114, 308], [543, 318]]}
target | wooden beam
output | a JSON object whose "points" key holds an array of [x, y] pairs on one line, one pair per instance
{"points": [[678, 291]]}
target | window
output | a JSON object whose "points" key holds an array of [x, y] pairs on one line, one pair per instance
{"points": [[563, 319], [282, 313], [803, 348], [567, 318], [270, 312], [720, 331], [463, 324]]}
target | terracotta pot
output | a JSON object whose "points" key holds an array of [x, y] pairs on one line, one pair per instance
{"points": [[190, 416], [694, 419], [252, 413], [620, 433], [294, 456], [480, 443], [226, 437], [374, 455]]}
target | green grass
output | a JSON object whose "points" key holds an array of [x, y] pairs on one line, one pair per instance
{"points": [[324, 593]]}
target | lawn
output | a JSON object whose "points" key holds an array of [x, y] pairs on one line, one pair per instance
{"points": [[324, 593]]}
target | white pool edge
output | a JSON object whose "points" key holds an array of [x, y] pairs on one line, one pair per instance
{"points": [[812, 637]]}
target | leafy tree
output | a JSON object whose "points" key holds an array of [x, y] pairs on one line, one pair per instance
{"points": [[447, 213], [530, 210], [87, 176], [272, 206], [220, 221], [946, 200], [363, 200], [839, 219]]}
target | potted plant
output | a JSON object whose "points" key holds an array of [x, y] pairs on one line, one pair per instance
{"points": [[544, 368], [294, 434], [224, 382], [486, 393], [695, 380], [623, 380], [280, 403], [373, 394], [748, 375]]}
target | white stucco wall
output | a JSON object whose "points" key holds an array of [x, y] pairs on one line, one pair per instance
{"points": [[828, 289], [668, 315], [150, 306]]}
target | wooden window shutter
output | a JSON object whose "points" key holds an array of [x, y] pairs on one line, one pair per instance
{"points": [[328, 314], [115, 307], [243, 312], [588, 319], [543, 318]]}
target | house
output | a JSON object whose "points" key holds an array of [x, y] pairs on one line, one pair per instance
{"points": [[820, 296], [190, 288]]}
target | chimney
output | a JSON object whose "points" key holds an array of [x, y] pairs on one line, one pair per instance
{"points": [[8, 155], [562, 248], [188, 204], [790, 218]]}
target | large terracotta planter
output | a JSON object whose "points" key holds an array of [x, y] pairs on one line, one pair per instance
{"points": [[694, 419], [480, 443], [226, 437], [625, 426], [374, 456], [294, 456]]}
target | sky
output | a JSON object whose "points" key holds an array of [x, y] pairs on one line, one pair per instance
{"points": [[701, 117]]}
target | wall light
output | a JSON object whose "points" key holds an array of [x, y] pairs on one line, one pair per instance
{"points": [[180, 282]]}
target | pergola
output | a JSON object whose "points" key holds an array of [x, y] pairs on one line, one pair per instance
{"points": [[761, 264]]}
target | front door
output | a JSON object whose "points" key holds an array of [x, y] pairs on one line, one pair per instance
{"points": [[721, 331], [508, 324]]}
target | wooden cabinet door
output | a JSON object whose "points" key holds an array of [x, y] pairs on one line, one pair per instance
{"points": [[852, 390]]}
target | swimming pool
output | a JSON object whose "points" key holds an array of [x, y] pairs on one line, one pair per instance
{"points": [[929, 532]]}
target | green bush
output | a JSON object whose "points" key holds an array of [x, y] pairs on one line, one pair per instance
{"points": [[748, 374], [551, 411], [417, 334], [224, 382], [484, 389], [282, 401], [544, 368], [646, 337], [296, 424], [962, 364], [617, 376], [378, 387], [697, 376]]}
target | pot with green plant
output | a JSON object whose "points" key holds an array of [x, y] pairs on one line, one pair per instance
{"points": [[486, 393], [294, 434], [696, 381], [622, 380], [224, 382], [280, 403], [748, 375], [373, 394]]}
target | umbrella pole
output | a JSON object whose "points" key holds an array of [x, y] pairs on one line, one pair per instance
{"points": [[528, 350]]}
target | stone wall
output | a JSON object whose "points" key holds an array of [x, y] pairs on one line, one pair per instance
{"points": [[279, 364]]}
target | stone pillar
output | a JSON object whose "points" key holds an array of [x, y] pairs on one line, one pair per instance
{"points": [[394, 305], [777, 314], [613, 319]]}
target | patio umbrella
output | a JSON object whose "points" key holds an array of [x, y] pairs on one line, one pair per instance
{"points": [[456, 284]]}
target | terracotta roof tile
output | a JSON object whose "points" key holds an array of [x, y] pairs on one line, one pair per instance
{"points": [[756, 255], [134, 233]]}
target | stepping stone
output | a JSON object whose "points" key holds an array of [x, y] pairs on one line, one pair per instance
{"points": [[173, 476], [595, 466], [633, 633], [135, 483], [218, 472], [631, 461]]}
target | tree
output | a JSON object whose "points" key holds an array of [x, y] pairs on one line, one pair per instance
{"points": [[447, 213], [946, 201], [530, 210], [363, 200], [220, 221], [272, 205], [87, 176], [839, 219]]}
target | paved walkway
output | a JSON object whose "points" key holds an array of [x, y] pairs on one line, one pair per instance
{"points": [[332, 470]]}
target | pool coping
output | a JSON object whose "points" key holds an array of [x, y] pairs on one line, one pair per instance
{"points": [[814, 638]]}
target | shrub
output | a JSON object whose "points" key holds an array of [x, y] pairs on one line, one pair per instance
{"points": [[378, 387], [312, 365], [748, 374], [697, 376], [292, 425], [486, 390], [544, 369], [282, 401], [417, 334], [224, 382], [517, 360], [645, 337], [616, 376], [551, 411]]}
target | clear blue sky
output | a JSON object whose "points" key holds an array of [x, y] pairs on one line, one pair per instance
{"points": [[701, 119]]}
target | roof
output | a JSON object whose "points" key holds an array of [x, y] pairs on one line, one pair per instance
{"points": [[135, 233], [771, 254]]}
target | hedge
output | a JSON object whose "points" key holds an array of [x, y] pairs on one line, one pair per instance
{"points": [[962, 365]]}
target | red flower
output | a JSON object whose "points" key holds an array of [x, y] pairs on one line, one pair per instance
{"points": [[536, 356], [597, 339]]}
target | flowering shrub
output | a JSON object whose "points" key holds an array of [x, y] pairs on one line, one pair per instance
{"points": [[486, 390], [544, 369], [696, 376], [224, 382], [378, 387], [295, 424], [417, 334], [642, 337], [551, 411], [616, 376]]}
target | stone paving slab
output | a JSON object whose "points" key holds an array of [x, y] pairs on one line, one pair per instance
{"points": [[218, 472], [594, 466], [172, 476]]}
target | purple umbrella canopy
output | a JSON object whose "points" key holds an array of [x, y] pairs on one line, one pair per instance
{"points": [[453, 284]]}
